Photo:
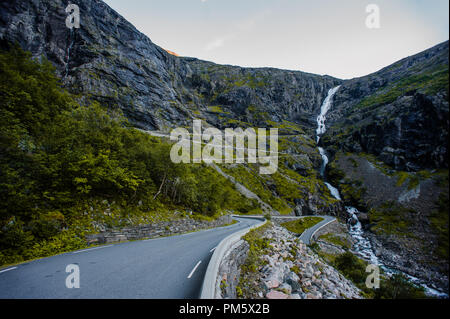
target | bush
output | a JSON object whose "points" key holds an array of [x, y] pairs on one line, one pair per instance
{"points": [[398, 287], [395, 287], [351, 267]]}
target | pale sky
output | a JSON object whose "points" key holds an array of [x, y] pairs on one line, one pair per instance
{"points": [[320, 36]]}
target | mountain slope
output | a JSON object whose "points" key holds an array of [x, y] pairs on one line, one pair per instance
{"points": [[387, 132], [388, 140], [113, 62], [399, 113]]}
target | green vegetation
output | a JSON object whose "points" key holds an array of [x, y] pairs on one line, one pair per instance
{"points": [[217, 109], [353, 161], [430, 81], [67, 166], [398, 287], [257, 184], [252, 81], [336, 240], [352, 268], [352, 191], [402, 176], [439, 222], [286, 127], [300, 225], [414, 179], [391, 218], [395, 287], [258, 246]]}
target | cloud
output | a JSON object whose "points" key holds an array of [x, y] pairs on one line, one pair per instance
{"points": [[239, 28], [216, 43]]}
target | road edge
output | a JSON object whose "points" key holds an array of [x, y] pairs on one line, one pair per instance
{"points": [[319, 226], [208, 289]]}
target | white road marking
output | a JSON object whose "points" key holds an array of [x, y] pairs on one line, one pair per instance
{"points": [[193, 270], [82, 251], [213, 249], [5, 270]]}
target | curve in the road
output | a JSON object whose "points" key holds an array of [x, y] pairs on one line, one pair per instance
{"points": [[169, 267], [308, 234]]}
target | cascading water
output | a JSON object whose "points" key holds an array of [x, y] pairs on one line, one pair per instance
{"points": [[362, 246], [323, 111], [72, 40]]}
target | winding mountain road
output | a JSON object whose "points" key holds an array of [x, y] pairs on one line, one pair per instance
{"points": [[307, 235], [170, 268]]}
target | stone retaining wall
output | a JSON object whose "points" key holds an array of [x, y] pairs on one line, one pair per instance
{"points": [[160, 229], [230, 269]]}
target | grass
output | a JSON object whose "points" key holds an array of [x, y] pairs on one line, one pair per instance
{"points": [[439, 222], [256, 184], [336, 240], [414, 179], [429, 82], [217, 109], [300, 225], [391, 218], [258, 246]]}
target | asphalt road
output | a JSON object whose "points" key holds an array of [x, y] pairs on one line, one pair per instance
{"points": [[306, 236], [169, 267], [308, 233]]}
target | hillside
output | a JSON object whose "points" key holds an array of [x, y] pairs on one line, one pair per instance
{"points": [[386, 139]]}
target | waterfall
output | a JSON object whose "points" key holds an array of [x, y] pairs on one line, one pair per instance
{"points": [[71, 39], [323, 111], [362, 246]]}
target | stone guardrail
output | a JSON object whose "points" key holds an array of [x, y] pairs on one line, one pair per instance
{"points": [[322, 226], [210, 281]]}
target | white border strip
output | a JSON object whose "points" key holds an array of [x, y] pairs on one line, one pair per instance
{"points": [[8, 269], [89, 249]]}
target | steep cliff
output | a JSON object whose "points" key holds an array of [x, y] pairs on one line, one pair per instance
{"points": [[399, 114], [111, 61], [388, 140], [108, 60]]}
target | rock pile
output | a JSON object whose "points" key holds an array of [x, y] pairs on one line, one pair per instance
{"points": [[294, 271]]}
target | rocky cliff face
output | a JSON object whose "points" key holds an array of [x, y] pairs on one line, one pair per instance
{"points": [[109, 60], [106, 57], [399, 114], [113, 62]]}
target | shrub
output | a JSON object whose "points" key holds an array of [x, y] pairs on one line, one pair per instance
{"points": [[351, 267], [398, 287]]}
